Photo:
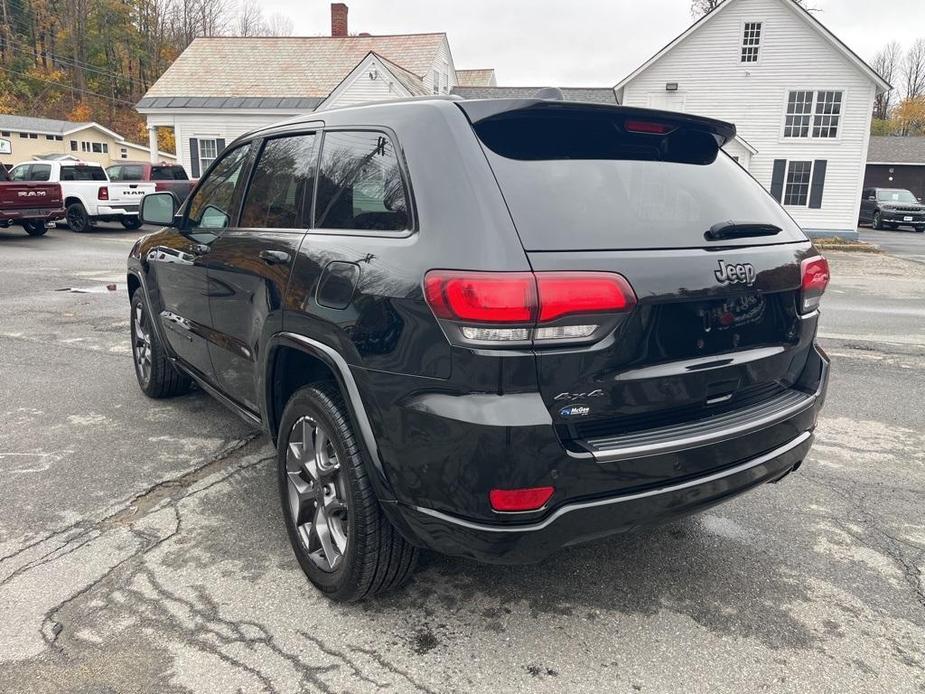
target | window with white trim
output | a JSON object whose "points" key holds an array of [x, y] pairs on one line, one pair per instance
{"points": [[796, 190], [813, 114], [799, 112], [435, 88], [827, 114], [751, 38], [208, 151]]}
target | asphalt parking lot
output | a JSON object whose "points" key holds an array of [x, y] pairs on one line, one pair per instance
{"points": [[142, 549]]}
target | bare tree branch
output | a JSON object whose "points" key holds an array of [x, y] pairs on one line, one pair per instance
{"points": [[914, 70], [886, 63]]}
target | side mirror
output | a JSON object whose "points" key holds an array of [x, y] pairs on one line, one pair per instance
{"points": [[159, 209], [871, 197]]}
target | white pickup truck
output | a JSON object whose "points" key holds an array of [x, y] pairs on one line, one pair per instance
{"points": [[89, 195]]}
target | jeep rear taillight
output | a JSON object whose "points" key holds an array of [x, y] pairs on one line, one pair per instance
{"points": [[815, 273], [523, 308], [103, 193]]}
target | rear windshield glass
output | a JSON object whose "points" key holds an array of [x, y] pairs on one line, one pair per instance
{"points": [[168, 173], [582, 182], [83, 173]]}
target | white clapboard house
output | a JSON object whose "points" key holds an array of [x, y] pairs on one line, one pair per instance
{"points": [[220, 88], [799, 97]]}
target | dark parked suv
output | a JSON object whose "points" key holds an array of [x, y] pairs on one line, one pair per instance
{"points": [[889, 208], [490, 328]]}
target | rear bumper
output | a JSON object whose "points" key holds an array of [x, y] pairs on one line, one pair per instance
{"points": [[590, 520], [37, 215], [117, 210], [728, 456]]}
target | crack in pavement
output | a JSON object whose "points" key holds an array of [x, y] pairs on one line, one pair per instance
{"points": [[131, 510], [889, 545]]}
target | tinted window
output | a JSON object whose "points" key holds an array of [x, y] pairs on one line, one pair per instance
{"points": [[114, 173], [360, 185], [4, 176], [83, 173], [212, 207], [168, 173], [279, 196], [20, 173], [133, 173], [581, 181], [40, 172]]}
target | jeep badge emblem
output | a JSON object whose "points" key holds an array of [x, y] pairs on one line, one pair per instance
{"points": [[742, 273]]}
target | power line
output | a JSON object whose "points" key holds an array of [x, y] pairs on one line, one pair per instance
{"points": [[68, 62], [67, 86]]}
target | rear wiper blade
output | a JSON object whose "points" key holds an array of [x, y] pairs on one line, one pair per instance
{"points": [[737, 230]]}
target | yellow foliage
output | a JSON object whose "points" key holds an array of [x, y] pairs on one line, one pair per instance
{"points": [[80, 113], [166, 140], [911, 115]]}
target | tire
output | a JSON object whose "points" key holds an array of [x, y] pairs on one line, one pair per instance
{"points": [[920, 229], [131, 223], [77, 218], [34, 228], [367, 555], [875, 222], [156, 376]]}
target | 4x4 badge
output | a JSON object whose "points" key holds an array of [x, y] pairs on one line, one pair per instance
{"points": [[741, 273], [596, 393]]}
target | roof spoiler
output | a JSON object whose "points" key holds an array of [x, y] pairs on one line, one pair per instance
{"points": [[477, 110]]}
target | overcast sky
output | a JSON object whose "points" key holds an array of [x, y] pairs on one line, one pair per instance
{"points": [[578, 43]]}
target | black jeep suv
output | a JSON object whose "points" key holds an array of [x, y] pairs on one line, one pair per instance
{"points": [[491, 328]]}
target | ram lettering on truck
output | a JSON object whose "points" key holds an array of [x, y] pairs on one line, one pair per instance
{"points": [[32, 203]]}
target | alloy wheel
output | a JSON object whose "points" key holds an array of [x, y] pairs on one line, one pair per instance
{"points": [[317, 493], [141, 343]]}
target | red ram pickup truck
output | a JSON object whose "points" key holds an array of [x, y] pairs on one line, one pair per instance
{"points": [[166, 177], [33, 204]]}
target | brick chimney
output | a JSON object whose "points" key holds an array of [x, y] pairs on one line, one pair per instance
{"points": [[338, 19]]}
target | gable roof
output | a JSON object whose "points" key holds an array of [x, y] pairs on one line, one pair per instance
{"points": [[284, 67], [800, 11], [893, 149], [476, 78], [599, 95], [412, 84]]}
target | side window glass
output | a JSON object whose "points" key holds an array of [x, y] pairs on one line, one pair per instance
{"points": [[20, 173], [40, 172], [213, 204], [114, 173], [280, 192], [132, 173], [359, 184]]}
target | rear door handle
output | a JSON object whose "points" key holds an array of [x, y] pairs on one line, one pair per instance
{"points": [[274, 257]]}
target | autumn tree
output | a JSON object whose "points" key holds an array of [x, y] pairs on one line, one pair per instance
{"points": [[910, 116]]}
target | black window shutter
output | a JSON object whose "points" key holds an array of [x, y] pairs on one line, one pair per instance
{"points": [[818, 183], [194, 157], [219, 145], [777, 179]]}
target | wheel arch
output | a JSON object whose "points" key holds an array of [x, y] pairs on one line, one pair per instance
{"points": [[314, 362], [134, 280]]}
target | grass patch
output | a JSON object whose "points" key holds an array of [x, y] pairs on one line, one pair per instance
{"points": [[833, 243]]}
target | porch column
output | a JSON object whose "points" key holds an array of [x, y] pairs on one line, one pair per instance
{"points": [[152, 142]]}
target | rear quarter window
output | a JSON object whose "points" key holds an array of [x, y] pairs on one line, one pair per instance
{"points": [[582, 182], [83, 173], [168, 173]]}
